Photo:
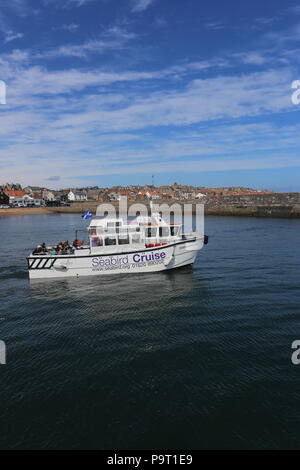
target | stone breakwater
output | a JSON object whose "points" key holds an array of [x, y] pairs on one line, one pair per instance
{"points": [[256, 205], [285, 205]]}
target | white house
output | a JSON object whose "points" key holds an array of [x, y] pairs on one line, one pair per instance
{"points": [[77, 196], [48, 195]]}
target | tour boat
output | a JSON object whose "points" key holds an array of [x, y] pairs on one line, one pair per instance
{"points": [[144, 244]]}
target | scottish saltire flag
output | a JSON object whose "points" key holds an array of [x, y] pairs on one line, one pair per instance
{"points": [[87, 215]]}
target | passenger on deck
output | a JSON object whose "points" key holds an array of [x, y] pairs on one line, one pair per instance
{"points": [[44, 248], [96, 241], [37, 250], [40, 249], [77, 243], [65, 247], [59, 248]]}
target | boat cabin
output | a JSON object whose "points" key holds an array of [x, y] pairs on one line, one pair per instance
{"points": [[142, 232]]}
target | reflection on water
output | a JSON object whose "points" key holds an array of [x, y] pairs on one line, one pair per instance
{"points": [[148, 297], [147, 286]]}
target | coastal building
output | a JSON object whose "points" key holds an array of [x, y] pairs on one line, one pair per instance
{"points": [[4, 197], [150, 194], [166, 192], [119, 194], [10, 196], [60, 196], [43, 193], [76, 196], [48, 195], [93, 194], [11, 187], [113, 196], [20, 198]]}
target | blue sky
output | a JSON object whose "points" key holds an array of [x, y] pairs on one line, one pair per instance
{"points": [[112, 91]]}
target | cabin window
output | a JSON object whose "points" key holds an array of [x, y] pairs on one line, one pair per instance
{"points": [[110, 241], [114, 227], [123, 240], [123, 230], [174, 231], [150, 232], [112, 230], [114, 224], [97, 241], [132, 228], [163, 231]]}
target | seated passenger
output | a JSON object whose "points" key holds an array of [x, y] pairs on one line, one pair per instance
{"points": [[37, 250], [44, 248], [110, 241], [59, 248], [77, 243], [65, 249], [96, 241], [40, 249]]}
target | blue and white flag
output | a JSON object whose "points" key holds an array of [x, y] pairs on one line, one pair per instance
{"points": [[87, 215]]}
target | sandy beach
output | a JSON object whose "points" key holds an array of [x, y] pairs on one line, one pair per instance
{"points": [[73, 209], [23, 211]]}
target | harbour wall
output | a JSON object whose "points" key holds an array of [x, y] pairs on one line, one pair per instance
{"points": [[285, 205]]}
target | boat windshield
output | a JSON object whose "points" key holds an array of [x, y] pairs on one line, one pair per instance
{"points": [[150, 232]]}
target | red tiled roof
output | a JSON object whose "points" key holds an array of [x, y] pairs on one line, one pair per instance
{"points": [[15, 193], [123, 192]]}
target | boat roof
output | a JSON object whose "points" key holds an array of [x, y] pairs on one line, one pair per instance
{"points": [[140, 220], [104, 221]]}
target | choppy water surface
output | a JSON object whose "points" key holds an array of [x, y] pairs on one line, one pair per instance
{"points": [[191, 359]]}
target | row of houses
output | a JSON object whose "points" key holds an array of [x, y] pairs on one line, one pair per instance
{"points": [[36, 195], [19, 198]]}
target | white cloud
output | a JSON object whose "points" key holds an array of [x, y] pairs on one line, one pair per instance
{"points": [[266, 21], [252, 58], [281, 37], [83, 50], [11, 36], [98, 132], [295, 9], [19, 6], [63, 4], [80, 3], [214, 25], [72, 27], [119, 32], [227, 97], [160, 22], [113, 38], [140, 5], [105, 121]]}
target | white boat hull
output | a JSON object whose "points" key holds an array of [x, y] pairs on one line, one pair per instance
{"points": [[87, 263]]}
